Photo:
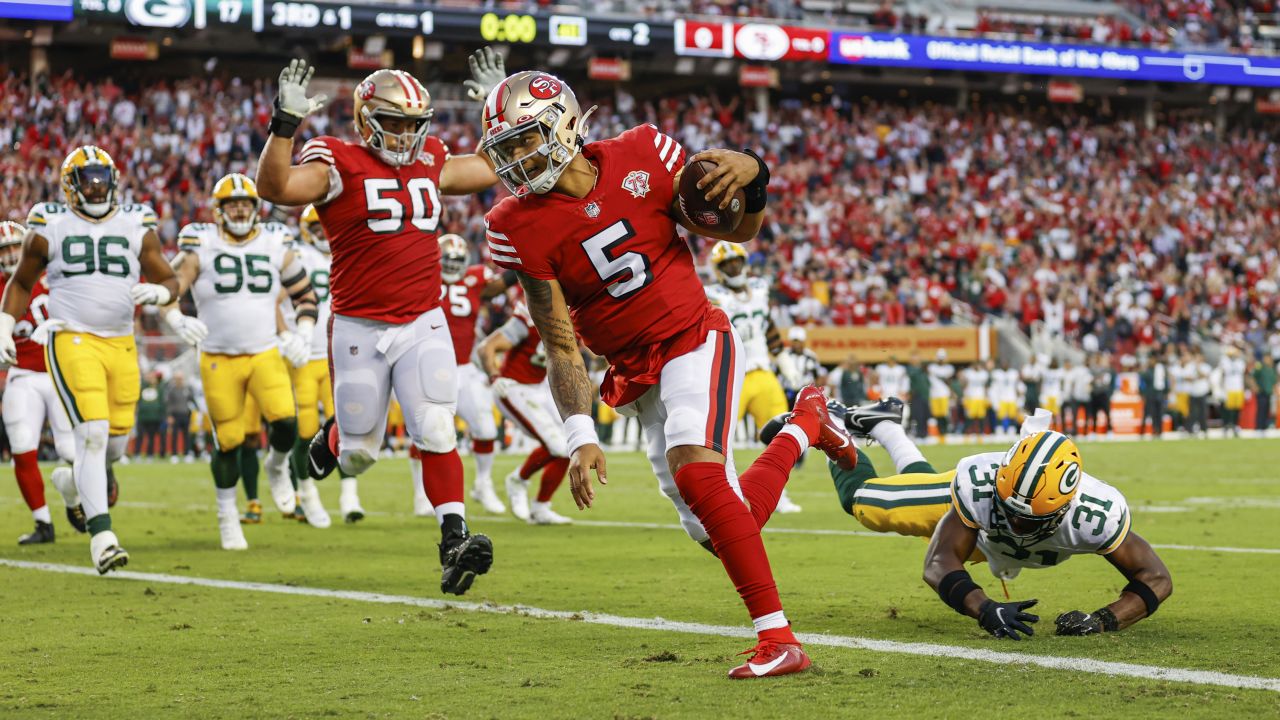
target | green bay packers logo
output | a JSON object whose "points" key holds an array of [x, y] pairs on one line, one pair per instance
{"points": [[158, 13], [1070, 478]]}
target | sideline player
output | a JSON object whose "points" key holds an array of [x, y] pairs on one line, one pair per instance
{"points": [[235, 268], [95, 251], [29, 398], [592, 232], [1032, 506], [379, 202], [746, 301], [520, 384]]}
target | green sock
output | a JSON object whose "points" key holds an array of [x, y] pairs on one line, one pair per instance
{"points": [[226, 468], [298, 461], [249, 471], [99, 523], [848, 481], [919, 467]]}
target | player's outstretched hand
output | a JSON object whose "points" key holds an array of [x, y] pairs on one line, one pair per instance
{"points": [[734, 171], [295, 348], [193, 331], [40, 335], [586, 458], [1077, 623], [1007, 620], [150, 294], [487, 70], [291, 95]]}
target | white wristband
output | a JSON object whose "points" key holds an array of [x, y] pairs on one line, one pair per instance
{"points": [[580, 430]]}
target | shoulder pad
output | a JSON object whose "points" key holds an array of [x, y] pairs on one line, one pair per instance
{"points": [[43, 214], [974, 487]]}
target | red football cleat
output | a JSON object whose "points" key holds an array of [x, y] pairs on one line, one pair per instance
{"points": [[770, 659], [831, 439]]}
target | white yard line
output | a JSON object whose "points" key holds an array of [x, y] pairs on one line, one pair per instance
{"points": [[1101, 667]]}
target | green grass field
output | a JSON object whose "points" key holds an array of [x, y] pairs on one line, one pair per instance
{"points": [[81, 646]]}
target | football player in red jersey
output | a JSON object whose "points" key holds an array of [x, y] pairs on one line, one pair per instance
{"points": [[379, 203], [591, 230], [463, 292], [520, 384], [29, 398]]}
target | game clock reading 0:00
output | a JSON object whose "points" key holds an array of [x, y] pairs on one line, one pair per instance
{"points": [[510, 28]]}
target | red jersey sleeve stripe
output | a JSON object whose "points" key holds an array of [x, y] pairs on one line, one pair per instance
{"points": [[508, 259], [675, 155]]}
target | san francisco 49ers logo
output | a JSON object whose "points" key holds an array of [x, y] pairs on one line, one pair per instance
{"points": [[366, 90], [637, 183], [544, 87]]}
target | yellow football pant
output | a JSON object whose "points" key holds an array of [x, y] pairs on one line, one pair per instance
{"points": [[1235, 399], [975, 408], [762, 396], [97, 378], [228, 379], [939, 407], [1007, 409], [313, 388]]}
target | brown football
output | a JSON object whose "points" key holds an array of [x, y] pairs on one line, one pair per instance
{"points": [[703, 213]]}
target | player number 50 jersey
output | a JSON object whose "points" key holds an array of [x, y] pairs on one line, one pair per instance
{"points": [[238, 285], [92, 265], [1097, 520]]}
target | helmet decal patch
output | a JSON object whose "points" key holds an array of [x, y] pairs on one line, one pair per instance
{"points": [[366, 89], [544, 87], [1070, 478]]}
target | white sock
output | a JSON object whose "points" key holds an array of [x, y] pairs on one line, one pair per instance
{"points": [[275, 459], [41, 514], [894, 438], [348, 486], [796, 434], [227, 502], [116, 445], [484, 469], [770, 621], [91, 466], [415, 474], [306, 486]]}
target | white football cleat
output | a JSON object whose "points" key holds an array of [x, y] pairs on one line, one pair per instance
{"points": [[106, 552], [540, 513], [422, 507], [488, 499], [349, 506], [277, 469], [786, 504], [518, 494], [309, 496], [232, 533]]}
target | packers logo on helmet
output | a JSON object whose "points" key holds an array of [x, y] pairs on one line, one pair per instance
{"points": [[533, 128], [311, 230], [11, 234], [453, 257], [236, 187], [1035, 484], [89, 179], [392, 94], [735, 275]]}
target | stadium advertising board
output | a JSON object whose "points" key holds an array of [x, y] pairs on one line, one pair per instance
{"points": [[834, 344], [57, 10], [452, 24], [750, 41], [940, 53]]}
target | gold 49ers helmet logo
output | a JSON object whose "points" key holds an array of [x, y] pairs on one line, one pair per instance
{"points": [[544, 87]]}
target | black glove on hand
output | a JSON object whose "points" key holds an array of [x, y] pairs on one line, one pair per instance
{"points": [[1007, 619]]}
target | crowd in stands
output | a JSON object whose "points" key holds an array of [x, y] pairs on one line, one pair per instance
{"points": [[1097, 229]]}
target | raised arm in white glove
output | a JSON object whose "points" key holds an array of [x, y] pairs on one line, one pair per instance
{"points": [[487, 70], [193, 331]]}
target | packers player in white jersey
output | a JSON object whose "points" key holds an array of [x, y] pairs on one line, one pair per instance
{"points": [[95, 251], [745, 300], [235, 268], [312, 385], [1033, 506]]}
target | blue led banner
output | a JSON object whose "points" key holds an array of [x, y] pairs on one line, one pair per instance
{"points": [[940, 53], [36, 9]]}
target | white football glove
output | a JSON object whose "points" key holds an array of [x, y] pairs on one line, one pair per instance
{"points": [[502, 386], [8, 350], [150, 294], [292, 93], [295, 348], [40, 335], [487, 70], [193, 331]]}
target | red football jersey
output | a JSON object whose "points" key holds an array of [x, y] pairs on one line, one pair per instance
{"points": [[526, 363], [382, 223], [31, 355], [461, 302], [628, 278]]}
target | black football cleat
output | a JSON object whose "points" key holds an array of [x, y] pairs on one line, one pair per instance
{"points": [[76, 518], [41, 535], [320, 458], [462, 558], [113, 488], [859, 420]]}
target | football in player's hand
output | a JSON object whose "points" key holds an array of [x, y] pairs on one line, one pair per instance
{"points": [[703, 213]]}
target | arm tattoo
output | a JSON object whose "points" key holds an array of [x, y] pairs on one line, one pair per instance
{"points": [[566, 372]]}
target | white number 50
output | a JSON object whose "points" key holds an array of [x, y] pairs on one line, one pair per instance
{"points": [[422, 194]]}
